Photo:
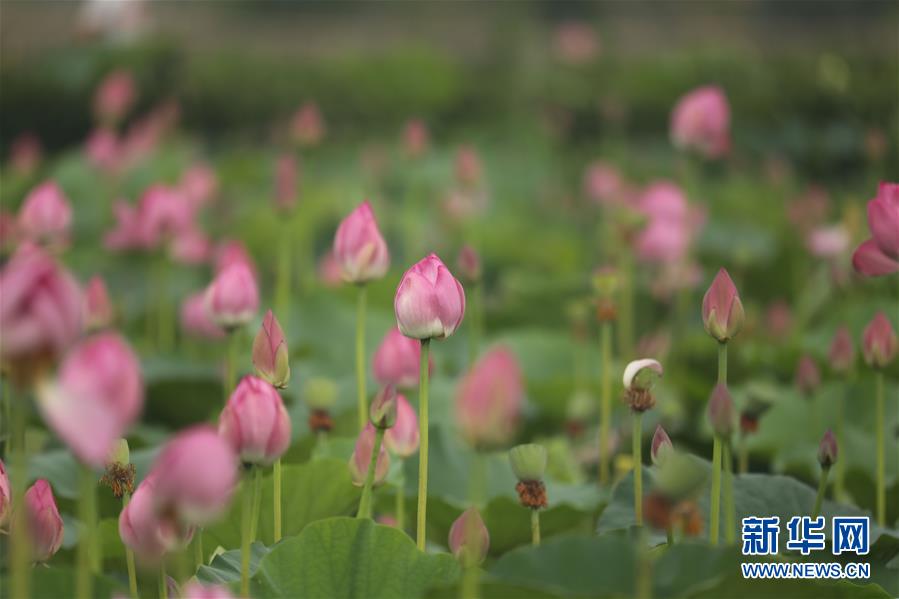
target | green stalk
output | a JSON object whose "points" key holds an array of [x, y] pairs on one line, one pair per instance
{"points": [[257, 502], [199, 556], [276, 494], [880, 423], [470, 581], [819, 498], [638, 467], [423, 446], [605, 398], [730, 513], [669, 535], [165, 325], [282, 282], [163, 582], [716, 492], [722, 363], [245, 528], [401, 498], [365, 502], [535, 527], [129, 558], [360, 358], [231, 364], [87, 513], [840, 472], [21, 544]]}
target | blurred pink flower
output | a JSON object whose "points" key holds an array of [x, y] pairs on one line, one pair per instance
{"points": [[195, 590], [808, 377], [879, 343], [828, 242], [576, 42], [415, 138], [603, 183], [98, 310], [827, 449], [5, 494], [359, 247], [810, 209], [672, 224], [403, 437], [489, 399], [329, 271], [25, 153], [468, 168], [464, 204], [285, 182], [842, 350], [255, 422], [879, 255], [9, 234], [103, 150], [126, 235], [114, 96], [163, 213], [720, 411], [147, 532], [779, 319], [45, 217], [700, 122], [198, 185], [190, 246], [429, 301], [44, 523], [362, 456], [307, 127], [233, 251], [396, 361], [195, 320], [232, 299], [469, 264]]}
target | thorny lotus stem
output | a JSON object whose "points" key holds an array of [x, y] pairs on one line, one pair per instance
{"points": [[129, 555], [880, 423], [276, 495], [257, 502], [819, 498], [21, 544], [716, 492], [400, 510], [360, 358], [282, 284], [730, 514], [605, 399], [87, 516], [421, 516], [638, 467], [163, 582], [365, 502], [245, 525], [535, 527]]}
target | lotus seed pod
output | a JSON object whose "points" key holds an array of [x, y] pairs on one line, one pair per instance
{"points": [[528, 461]]}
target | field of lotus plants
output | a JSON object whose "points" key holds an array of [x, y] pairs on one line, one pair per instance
{"points": [[443, 363]]}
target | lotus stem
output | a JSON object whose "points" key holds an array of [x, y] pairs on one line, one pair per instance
{"points": [[715, 503], [245, 528], [638, 467], [819, 498], [401, 497], [360, 358], [880, 423], [129, 556], [730, 514], [365, 502], [87, 511], [276, 494], [257, 502], [21, 544], [605, 399], [163, 582], [421, 516], [282, 284], [535, 527]]}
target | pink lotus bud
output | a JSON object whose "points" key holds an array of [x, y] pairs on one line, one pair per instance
{"points": [[779, 319], [147, 532], [842, 351], [198, 185], [285, 182], [163, 213], [469, 264], [429, 302], [270, 352], [489, 399], [641, 374], [576, 42], [880, 255], [40, 308], [468, 167], [361, 458], [808, 377], [828, 242], [415, 138], [701, 122], [230, 252], [722, 310], [469, 539], [127, 234], [114, 96], [46, 216], [98, 311], [721, 411], [5, 494], [329, 271], [44, 523], [190, 246], [103, 150], [255, 422], [98, 395], [403, 437], [397, 360], [603, 183], [195, 590], [195, 476], [25, 153], [879, 342], [359, 247], [661, 445], [307, 127], [195, 320], [382, 412], [232, 298], [671, 224], [828, 450]]}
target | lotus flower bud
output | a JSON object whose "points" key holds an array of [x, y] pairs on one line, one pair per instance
{"points": [[528, 461], [5, 494], [361, 458], [721, 411], [383, 411], [320, 393], [879, 342], [359, 247], [98, 395], [701, 122], [233, 297], [98, 312], [307, 127], [270, 352], [397, 360], [195, 476], [255, 422], [46, 216], [44, 524], [415, 138], [722, 310], [195, 590], [403, 437], [285, 182], [808, 377], [146, 531], [469, 539], [114, 96], [842, 351], [661, 445], [603, 183], [880, 255], [195, 319], [489, 398], [468, 167], [429, 302], [469, 264], [231, 252], [198, 184], [828, 450]]}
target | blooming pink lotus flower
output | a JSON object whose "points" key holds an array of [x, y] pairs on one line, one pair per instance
{"points": [[231, 251], [429, 301], [828, 242], [576, 42], [828, 450], [25, 153], [195, 590], [489, 399], [126, 235], [98, 310], [720, 411], [232, 298], [195, 476], [722, 310], [603, 183], [285, 182], [468, 169], [879, 344], [397, 360], [98, 395], [361, 458], [700, 121], [147, 532], [415, 138], [808, 377], [114, 96], [469, 539], [198, 185], [163, 213], [879, 255], [469, 264], [196, 321], [842, 350], [46, 216], [661, 445], [671, 224], [5, 494], [403, 437], [40, 308], [330, 272], [44, 524], [103, 150], [270, 352], [255, 422], [307, 128], [359, 247]]}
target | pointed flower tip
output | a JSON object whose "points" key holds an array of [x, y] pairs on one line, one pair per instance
{"points": [[828, 450], [270, 357], [722, 309], [469, 539], [879, 342], [383, 411], [661, 445]]}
